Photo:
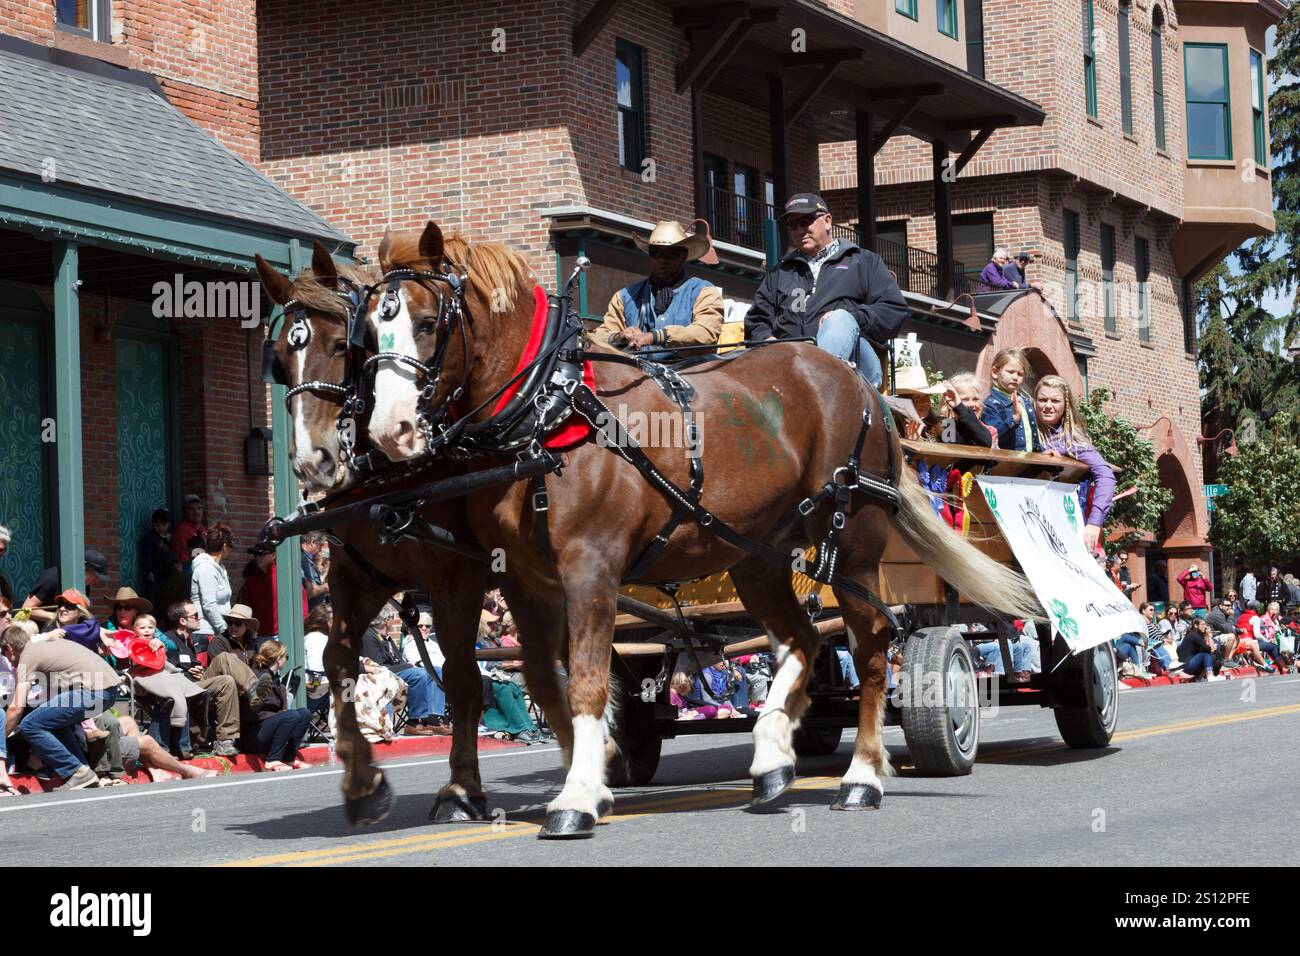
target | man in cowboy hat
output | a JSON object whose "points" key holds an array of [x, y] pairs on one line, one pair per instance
{"points": [[669, 307], [828, 289]]}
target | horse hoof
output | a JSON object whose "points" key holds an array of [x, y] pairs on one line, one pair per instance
{"points": [[858, 796], [567, 825], [371, 808], [770, 786], [459, 810]]}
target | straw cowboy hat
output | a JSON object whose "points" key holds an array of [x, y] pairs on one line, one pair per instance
{"points": [[128, 597], [242, 612], [912, 380], [670, 234]]}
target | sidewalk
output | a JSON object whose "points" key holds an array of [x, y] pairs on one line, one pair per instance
{"points": [[316, 754]]}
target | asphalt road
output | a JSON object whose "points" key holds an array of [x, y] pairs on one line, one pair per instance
{"points": [[1030, 800]]}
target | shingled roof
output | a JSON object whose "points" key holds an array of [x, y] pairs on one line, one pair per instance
{"points": [[113, 131]]}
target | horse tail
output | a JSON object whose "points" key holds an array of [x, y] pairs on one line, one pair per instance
{"points": [[972, 572]]}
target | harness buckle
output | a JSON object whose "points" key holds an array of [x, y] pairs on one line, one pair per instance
{"points": [[571, 386], [541, 501], [806, 507], [837, 520]]}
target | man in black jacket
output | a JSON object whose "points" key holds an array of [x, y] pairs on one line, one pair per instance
{"points": [[828, 289]]}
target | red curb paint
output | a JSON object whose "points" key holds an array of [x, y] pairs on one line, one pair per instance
{"points": [[316, 755], [1239, 673]]}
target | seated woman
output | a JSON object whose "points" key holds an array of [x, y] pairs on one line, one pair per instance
{"points": [[1266, 629], [279, 730], [379, 696], [679, 688], [1061, 431], [505, 713], [714, 692], [1197, 651], [168, 684]]}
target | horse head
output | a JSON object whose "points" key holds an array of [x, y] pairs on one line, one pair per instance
{"points": [[447, 323], [309, 355]]}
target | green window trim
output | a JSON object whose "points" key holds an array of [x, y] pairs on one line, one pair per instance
{"points": [[1142, 265], [631, 115], [1070, 241], [945, 12], [1108, 276], [907, 8], [1089, 60], [1257, 106], [1158, 76], [1226, 102], [1125, 68]]}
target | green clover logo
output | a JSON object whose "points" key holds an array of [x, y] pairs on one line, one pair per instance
{"points": [[1070, 511], [991, 498], [1065, 623], [386, 341]]}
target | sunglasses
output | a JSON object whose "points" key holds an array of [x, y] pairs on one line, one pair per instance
{"points": [[666, 253], [69, 607]]}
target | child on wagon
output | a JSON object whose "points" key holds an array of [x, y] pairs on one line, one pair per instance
{"points": [[1007, 408]]}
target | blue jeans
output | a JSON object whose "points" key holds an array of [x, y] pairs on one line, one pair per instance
{"points": [[51, 729], [1201, 663], [838, 334], [280, 734], [1129, 648], [164, 733], [424, 698], [1159, 653], [847, 669], [1269, 650], [1022, 656]]}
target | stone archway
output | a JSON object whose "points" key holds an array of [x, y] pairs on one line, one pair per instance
{"points": [[1181, 532], [1027, 323]]}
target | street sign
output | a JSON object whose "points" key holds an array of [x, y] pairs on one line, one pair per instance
{"points": [[1215, 491], [1209, 504]]}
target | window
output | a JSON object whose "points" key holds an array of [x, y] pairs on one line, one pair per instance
{"points": [[631, 105], [749, 220], [1189, 319], [769, 197], [92, 18], [1089, 61], [1071, 242], [975, 38], [715, 192], [1125, 71], [1158, 75], [1108, 276], [972, 242], [1257, 106], [945, 13], [1209, 117], [906, 7], [1142, 264]]}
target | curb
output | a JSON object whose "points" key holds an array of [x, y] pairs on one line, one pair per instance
{"points": [[317, 755], [1239, 673]]}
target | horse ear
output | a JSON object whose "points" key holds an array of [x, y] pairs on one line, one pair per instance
{"points": [[385, 248], [431, 244], [278, 287], [322, 264]]}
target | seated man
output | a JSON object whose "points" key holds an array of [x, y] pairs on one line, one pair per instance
{"points": [[124, 744], [425, 700], [78, 685], [669, 307], [828, 289], [223, 682]]}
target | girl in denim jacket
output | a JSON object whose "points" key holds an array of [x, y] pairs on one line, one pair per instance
{"points": [[1008, 409]]}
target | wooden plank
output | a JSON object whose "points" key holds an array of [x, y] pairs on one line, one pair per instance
{"points": [[591, 25]]}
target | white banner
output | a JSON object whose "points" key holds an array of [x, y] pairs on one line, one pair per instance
{"points": [[1043, 523]]}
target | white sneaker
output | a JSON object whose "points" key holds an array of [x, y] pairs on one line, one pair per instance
{"points": [[1216, 677]]}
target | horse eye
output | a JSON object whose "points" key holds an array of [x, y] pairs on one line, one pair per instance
{"points": [[340, 346], [425, 327]]}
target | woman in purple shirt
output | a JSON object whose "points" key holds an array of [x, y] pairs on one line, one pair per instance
{"points": [[1061, 432]]}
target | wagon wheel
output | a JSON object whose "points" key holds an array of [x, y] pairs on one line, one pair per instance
{"points": [[637, 742], [817, 741], [940, 710], [1091, 723]]}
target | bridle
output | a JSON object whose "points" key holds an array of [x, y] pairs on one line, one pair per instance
{"points": [[453, 314]]}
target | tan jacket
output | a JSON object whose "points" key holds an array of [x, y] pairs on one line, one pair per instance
{"points": [[705, 327]]}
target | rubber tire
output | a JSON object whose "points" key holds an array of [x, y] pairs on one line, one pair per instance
{"points": [[932, 742], [817, 741], [636, 757], [1084, 727]]}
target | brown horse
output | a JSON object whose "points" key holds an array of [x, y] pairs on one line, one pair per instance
{"points": [[777, 422], [316, 351]]}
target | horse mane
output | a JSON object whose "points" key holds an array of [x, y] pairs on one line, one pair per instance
{"points": [[324, 297], [494, 268]]}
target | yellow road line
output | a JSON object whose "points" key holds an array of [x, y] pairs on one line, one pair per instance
{"points": [[640, 808]]}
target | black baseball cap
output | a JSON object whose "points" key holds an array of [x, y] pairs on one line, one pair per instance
{"points": [[805, 204], [96, 562]]}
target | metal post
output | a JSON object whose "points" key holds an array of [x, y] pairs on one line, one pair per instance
{"points": [[943, 222], [697, 157], [67, 416], [866, 182], [772, 242], [288, 563]]}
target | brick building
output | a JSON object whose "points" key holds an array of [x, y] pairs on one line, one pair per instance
{"points": [[568, 128]]}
